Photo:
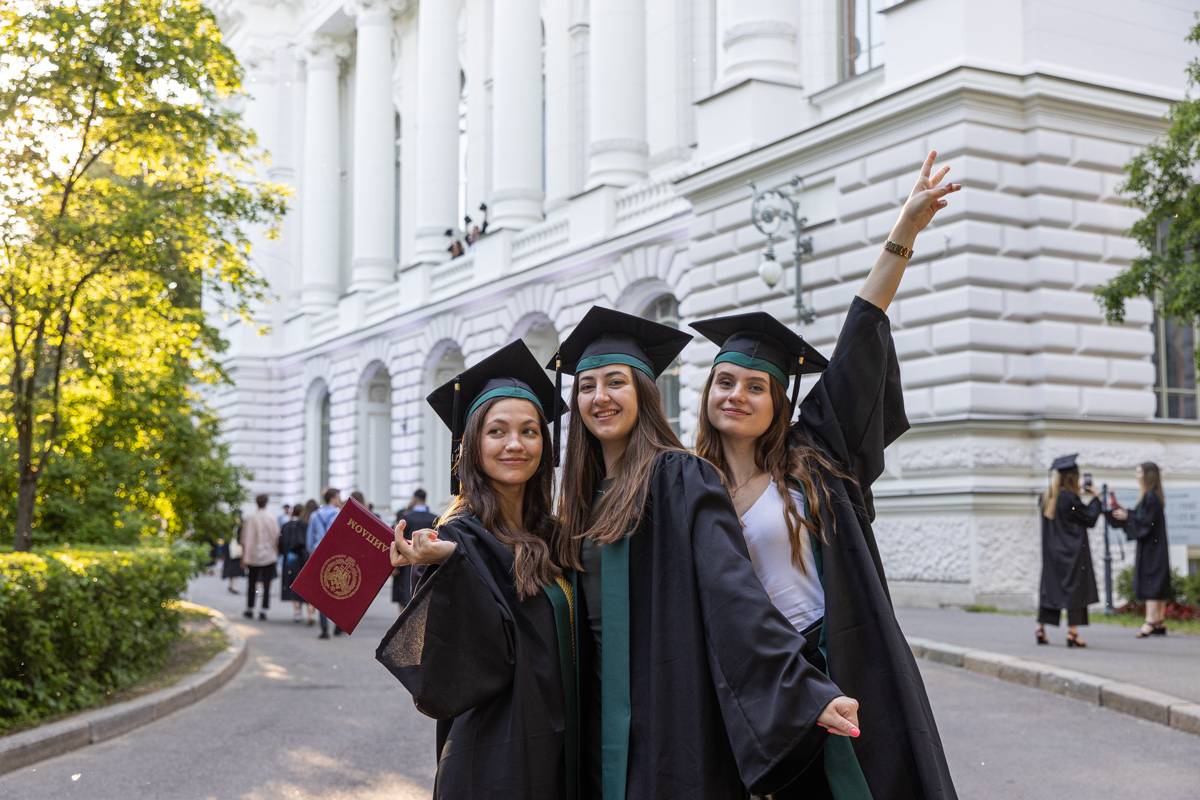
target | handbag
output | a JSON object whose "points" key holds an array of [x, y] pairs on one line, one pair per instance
{"points": [[235, 549]]}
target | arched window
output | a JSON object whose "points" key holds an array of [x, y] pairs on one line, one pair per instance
{"points": [[542, 340], [316, 439], [375, 439], [664, 310], [435, 476]]}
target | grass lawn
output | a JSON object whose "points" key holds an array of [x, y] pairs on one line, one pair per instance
{"points": [[200, 641], [1127, 620]]}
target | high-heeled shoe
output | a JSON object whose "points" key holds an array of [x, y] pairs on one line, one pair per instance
{"points": [[1146, 631], [1041, 636], [1073, 640], [1160, 629]]}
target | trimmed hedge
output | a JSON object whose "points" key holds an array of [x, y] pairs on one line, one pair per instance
{"points": [[77, 624]]}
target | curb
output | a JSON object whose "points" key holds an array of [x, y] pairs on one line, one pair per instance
{"points": [[28, 747], [1147, 704]]}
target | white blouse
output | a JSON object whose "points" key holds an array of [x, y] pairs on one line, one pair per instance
{"points": [[798, 595]]}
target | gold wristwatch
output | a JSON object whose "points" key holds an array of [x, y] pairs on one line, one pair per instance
{"points": [[898, 249]]}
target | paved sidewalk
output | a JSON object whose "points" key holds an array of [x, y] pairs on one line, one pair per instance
{"points": [[1168, 664]]}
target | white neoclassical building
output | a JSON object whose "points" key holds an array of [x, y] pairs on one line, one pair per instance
{"points": [[613, 143]]}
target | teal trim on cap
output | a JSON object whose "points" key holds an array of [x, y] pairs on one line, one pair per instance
{"points": [[749, 362], [591, 362], [506, 391]]}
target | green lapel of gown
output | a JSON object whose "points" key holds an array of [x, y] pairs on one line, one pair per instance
{"points": [[563, 618], [842, 770], [614, 668]]}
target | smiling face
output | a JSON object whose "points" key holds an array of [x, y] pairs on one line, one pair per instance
{"points": [[739, 401], [607, 401], [510, 443]]}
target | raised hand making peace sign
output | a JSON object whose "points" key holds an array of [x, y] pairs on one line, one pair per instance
{"points": [[927, 197]]}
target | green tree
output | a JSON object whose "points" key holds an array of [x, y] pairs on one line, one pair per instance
{"points": [[127, 190], [1164, 182]]}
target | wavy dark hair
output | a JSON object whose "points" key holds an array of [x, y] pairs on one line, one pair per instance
{"points": [[1065, 481], [786, 456], [620, 510], [1152, 478], [533, 565]]}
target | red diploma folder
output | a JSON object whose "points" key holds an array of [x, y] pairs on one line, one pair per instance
{"points": [[349, 567]]}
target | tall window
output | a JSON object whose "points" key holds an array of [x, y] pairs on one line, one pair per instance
{"points": [[323, 443], [665, 311], [862, 35], [1175, 368]]}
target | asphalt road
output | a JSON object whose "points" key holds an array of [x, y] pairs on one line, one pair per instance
{"points": [[308, 720]]}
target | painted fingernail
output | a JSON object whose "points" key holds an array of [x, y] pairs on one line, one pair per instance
{"points": [[855, 733]]}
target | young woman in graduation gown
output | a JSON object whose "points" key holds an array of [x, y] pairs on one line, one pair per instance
{"points": [[1068, 580], [485, 645], [803, 496], [1147, 525], [693, 684]]}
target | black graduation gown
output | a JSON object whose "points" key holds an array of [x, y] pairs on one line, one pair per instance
{"points": [[1147, 524], [855, 410], [1068, 580], [489, 669], [712, 694], [292, 540], [402, 578]]}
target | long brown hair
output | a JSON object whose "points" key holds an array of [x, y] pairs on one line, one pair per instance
{"points": [[781, 459], [1059, 481], [1152, 478], [620, 509], [533, 566]]}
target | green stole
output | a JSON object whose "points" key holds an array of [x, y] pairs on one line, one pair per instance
{"points": [[842, 770], [614, 668], [564, 617]]}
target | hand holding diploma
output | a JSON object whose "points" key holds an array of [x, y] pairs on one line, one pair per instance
{"points": [[424, 549], [840, 717]]}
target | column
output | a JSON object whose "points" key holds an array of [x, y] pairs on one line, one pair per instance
{"points": [[437, 127], [617, 93], [322, 186], [373, 243], [517, 193], [758, 40]]}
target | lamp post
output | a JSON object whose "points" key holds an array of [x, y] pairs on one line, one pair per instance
{"points": [[771, 210], [1108, 573]]}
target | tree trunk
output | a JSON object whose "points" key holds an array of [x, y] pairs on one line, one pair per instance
{"points": [[26, 489]]}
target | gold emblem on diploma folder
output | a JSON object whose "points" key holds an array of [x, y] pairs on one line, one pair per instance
{"points": [[340, 577]]}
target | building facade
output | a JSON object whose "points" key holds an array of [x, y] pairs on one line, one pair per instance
{"points": [[613, 143]]}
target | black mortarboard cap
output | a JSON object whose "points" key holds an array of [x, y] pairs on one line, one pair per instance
{"points": [[605, 336], [759, 341], [1065, 463], [511, 371]]}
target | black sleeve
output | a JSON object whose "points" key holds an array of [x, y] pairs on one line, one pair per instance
{"points": [[856, 408], [1071, 509], [1142, 518], [452, 646], [770, 696]]}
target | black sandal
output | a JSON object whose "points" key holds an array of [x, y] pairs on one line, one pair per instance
{"points": [[1160, 629], [1073, 640], [1147, 630], [1040, 633]]}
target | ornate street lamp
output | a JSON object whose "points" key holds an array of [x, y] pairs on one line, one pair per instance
{"points": [[770, 210]]}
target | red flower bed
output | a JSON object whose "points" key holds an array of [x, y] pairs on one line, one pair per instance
{"points": [[1175, 611]]}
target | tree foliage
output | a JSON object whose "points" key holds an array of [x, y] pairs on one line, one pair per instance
{"points": [[1164, 182], [127, 191]]}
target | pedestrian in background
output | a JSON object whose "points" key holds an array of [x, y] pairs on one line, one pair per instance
{"points": [[318, 526], [1147, 525], [231, 554], [293, 547], [285, 516], [416, 516], [260, 551], [1068, 580]]}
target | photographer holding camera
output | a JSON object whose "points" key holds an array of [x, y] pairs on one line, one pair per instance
{"points": [[1068, 580]]}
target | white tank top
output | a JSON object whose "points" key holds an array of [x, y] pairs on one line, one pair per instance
{"points": [[798, 595]]}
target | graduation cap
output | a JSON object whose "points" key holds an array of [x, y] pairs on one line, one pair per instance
{"points": [[604, 337], [511, 371], [759, 341], [1065, 463]]}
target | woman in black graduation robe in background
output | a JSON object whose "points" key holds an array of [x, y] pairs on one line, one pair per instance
{"points": [[693, 685], [1147, 525], [1068, 580], [827, 463], [485, 645]]}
